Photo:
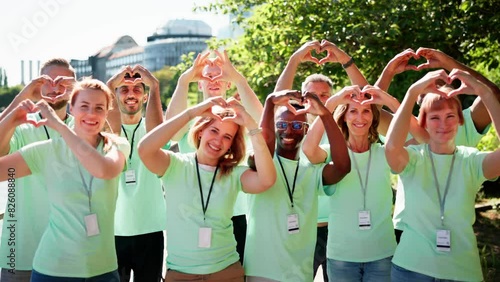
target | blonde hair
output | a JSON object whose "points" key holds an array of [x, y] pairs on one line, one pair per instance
{"points": [[236, 152], [340, 113]]}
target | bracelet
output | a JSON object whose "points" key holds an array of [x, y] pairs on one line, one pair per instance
{"points": [[349, 63], [255, 131]]}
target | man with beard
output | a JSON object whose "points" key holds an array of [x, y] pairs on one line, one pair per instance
{"points": [[27, 206], [140, 215], [214, 77]]}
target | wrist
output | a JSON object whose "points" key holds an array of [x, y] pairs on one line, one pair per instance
{"points": [[349, 63], [255, 131]]}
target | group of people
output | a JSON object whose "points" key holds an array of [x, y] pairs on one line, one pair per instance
{"points": [[246, 191]]}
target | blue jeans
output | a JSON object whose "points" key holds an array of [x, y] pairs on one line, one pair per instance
{"points": [[373, 271], [106, 277], [399, 274]]}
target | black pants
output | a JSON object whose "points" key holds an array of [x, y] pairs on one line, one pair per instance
{"points": [[240, 234], [141, 253], [320, 251]]}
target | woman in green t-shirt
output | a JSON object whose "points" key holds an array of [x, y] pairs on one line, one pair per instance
{"points": [[441, 181], [80, 170], [201, 187]]}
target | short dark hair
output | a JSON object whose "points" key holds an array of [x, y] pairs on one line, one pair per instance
{"points": [[57, 62]]}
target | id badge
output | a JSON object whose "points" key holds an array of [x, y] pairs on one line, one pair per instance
{"points": [[293, 223], [364, 220], [443, 240], [204, 237], [130, 177], [91, 225]]}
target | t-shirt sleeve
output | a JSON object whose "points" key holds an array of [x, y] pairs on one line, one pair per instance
{"points": [[474, 159], [34, 155], [16, 141], [414, 157], [467, 134]]}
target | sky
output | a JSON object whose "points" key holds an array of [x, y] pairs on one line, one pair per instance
{"points": [[72, 29]]}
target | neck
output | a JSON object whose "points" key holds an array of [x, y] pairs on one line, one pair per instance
{"points": [[62, 113], [358, 144], [291, 154], [447, 148], [131, 119]]}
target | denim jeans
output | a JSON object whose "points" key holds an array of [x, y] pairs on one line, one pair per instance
{"points": [[399, 274], [372, 271], [106, 277]]}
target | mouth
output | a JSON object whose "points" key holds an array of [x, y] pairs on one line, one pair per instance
{"points": [[215, 148], [359, 125], [90, 123], [287, 140], [131, 102]]}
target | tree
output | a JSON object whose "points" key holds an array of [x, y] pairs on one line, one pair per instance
{"points": [[372, 31]]}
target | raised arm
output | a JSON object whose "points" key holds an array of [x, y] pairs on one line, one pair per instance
{"points": [[335, 54], [438, 59], [395, 153], [396, 65], [472, 85], [310, 146], [261, 179], [154, 112], [303, 54], [248, 98], [114, 118], [150, 147], [332, 172], [179, 101]]}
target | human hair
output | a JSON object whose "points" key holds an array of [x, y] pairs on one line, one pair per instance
{"points": [[60, 62], [339, 116], [435, 102], [236, 152], [317, 77], [92, 84]]}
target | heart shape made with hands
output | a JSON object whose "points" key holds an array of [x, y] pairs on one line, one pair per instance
{"points": [[58, 84], [132, 78], [212, 70], [317, 56]]}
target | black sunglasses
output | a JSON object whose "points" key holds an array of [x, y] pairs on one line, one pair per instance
{"points": [[296, 125]]}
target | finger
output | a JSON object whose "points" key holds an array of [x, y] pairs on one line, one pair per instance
{"points": [[423, 66]]}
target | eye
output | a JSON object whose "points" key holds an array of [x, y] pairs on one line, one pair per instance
{"points": [[99, 108], [84, 106], [281, 125], [227, 137], [297, 125]]}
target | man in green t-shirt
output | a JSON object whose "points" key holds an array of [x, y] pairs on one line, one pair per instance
{"points": [[27, 206], [140, 216]]}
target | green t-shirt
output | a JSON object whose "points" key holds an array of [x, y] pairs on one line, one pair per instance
{"points": [[28, 204], [241, 205], [346, 242], [417, 248], [467, 135], [185, 216], [270, 251], [140, 207], [323, 201], [65, 249]]}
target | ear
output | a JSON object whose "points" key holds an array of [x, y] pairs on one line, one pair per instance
{"points": [[228, 85], [306, 128], [145, 98], [200, 88]]}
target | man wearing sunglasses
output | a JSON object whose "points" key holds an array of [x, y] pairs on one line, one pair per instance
{"points": [[282, 221]]}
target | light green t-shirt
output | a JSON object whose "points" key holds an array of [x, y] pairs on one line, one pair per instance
{"points": [[65, 249], [140, 207], [27, 206], [467, 135], [185, 216], [241, 205], [346, 242], [417, 248], [270, 251], [323, 201]]}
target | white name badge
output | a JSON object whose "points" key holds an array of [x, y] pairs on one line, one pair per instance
{"points": [[364, 220], [443, 240], [293, 223], [130, 177], [204, 237], [91, 225]]}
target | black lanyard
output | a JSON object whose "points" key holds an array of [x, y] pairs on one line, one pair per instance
{"points": [[133, 137], [44, 127], [290, 192], [203, 206]]}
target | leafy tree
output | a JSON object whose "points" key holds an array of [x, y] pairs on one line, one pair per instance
{"points": [[372, 31], [7, 94]]}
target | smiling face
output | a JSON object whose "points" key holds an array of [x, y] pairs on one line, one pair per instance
{"points": [[288, 139], [90, 108], [131, 98], [217, 88], [53, 72], [358, 119], [440, 117], [215, 140], [320, 88]]}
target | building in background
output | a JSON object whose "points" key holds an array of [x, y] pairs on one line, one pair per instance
{"points": [[164, 47]]}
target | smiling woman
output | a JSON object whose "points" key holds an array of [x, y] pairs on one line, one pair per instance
{"points": [[80, 171]]}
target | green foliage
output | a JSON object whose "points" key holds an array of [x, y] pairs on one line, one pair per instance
{"points": [[372, 31], [7, 94], [489, 142]]}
